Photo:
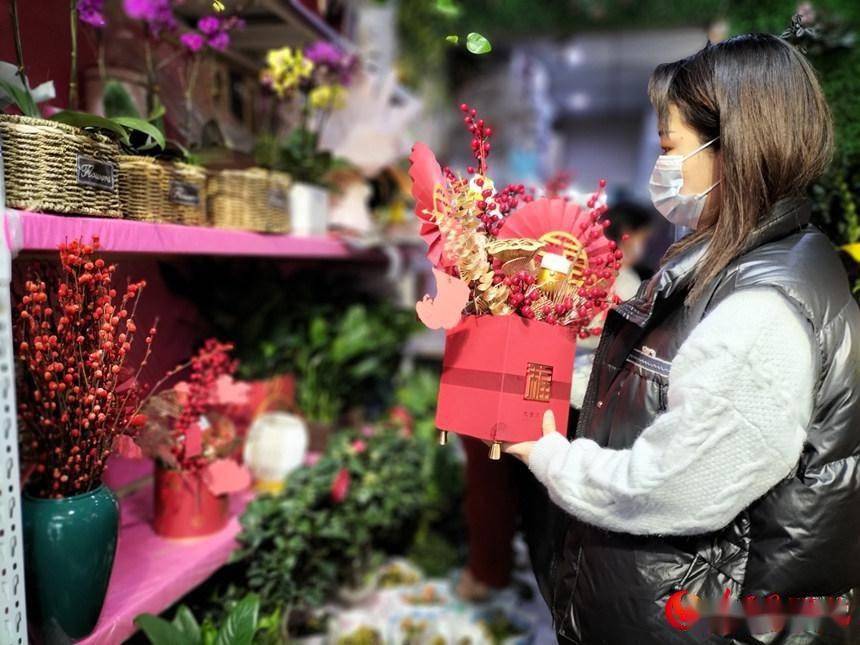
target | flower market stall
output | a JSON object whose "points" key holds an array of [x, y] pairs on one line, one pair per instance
{"points": [[180, 141]]}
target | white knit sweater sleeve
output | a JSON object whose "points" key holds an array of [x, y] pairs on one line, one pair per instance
{"points": [[739, 401]]}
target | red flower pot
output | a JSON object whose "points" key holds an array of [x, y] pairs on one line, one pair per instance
{"points": [[185, 507]]}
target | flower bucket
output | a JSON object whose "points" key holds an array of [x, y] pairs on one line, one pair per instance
{"points": [[185, 507], [64, 601]]}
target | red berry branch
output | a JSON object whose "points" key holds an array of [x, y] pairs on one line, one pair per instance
{"points": [[207, 366], [77, 390], [481, 134]]}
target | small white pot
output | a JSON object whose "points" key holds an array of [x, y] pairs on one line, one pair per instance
{"points": [[308, 209]]}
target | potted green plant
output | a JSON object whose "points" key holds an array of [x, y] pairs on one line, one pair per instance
{"points": [[242, 625]]}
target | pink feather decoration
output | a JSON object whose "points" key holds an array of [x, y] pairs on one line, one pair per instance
{"points": [[426, 175]]}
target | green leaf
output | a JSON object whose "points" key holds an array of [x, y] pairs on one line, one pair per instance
{"points": [[185, 622], [157, 112], [116, 101], [21, 97], [453, 39], [241, 623], [140, 125], [447, 8], [92, 121], [477, 44], [160, 632]]}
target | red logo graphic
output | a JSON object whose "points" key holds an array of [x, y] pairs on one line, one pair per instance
{"points": [[538, 382], [681, 610]]}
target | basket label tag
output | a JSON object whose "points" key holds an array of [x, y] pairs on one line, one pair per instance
{"points": [[278, 199], [96, 173], [184, 193]]}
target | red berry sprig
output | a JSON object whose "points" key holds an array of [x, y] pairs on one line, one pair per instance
{"points": [[77, 392], [210, 363], [481, 134]]}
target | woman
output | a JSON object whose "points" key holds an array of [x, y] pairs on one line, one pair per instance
{"points": [[718, 444]]}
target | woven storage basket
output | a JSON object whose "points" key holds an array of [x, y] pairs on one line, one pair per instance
{"points": [[162, 191], [277, 202], [142, 185], [186, 194], [50, 166], [238, 198]]}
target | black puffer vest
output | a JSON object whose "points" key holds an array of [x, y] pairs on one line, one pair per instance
{"points": [[802, 538]]}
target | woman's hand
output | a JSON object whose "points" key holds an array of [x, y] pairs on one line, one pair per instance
{"points": [[523, 450]]}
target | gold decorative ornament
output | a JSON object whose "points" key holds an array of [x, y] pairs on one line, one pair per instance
{"points": [[572, 249], [554, 271], [514, 248]]}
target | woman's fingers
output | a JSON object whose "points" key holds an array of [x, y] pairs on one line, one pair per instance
{"points": [[548, 422]]}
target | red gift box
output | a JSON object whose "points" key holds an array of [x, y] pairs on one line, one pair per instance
{"points": [[501, 373]]}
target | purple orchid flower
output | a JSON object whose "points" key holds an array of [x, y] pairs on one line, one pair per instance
{"points": [[192, 41], [324, 53], [209, 25], [158, 14], [92, 12], [220, 41]]}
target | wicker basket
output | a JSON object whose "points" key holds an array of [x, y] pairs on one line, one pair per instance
{"points": [[238, 199], [277, 202], [186, 194], [162, 191], [50, 166], [142, 182]]}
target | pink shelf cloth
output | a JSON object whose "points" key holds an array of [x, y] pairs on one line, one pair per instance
{"points": [[150, 573], [43, 232]]}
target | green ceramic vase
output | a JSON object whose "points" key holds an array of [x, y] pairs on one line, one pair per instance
{"points": [[69, 547]]}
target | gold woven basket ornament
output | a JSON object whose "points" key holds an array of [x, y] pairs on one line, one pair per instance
{"points": [[54, 167]]}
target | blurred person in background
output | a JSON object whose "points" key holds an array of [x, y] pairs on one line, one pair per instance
{"points": [[718, 445], [630, 227]]}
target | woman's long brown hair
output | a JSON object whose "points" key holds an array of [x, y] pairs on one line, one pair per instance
{"points": [[761, 97]]}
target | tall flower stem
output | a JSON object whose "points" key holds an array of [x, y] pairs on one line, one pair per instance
{"points": [[194, 67], [73, 69], [151, 79], [19, 50], [100, 44]]}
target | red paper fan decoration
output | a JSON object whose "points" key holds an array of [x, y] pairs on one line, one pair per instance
{"points": [[569, 230], [426, 175]]}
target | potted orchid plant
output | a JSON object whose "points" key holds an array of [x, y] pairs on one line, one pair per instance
{"points": [[311, 83]]}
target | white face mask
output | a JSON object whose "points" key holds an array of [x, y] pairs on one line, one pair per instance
{"points": [[665, 186]]}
